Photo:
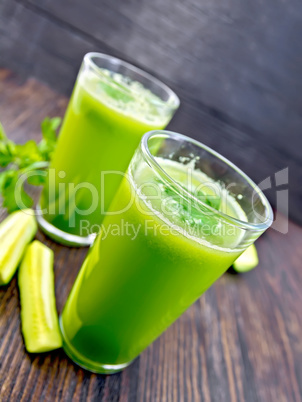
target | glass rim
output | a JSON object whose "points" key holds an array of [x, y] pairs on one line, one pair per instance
{"points": [[173, 100], [149, 158]]}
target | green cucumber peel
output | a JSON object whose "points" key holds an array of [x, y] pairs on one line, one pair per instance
{"points": [[16, 232], [39, 318], [247, 260]]}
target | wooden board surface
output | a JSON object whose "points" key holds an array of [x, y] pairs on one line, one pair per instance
{"points": [[240, 342], [235, 64]]}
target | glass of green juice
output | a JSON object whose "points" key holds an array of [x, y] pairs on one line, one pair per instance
{"points": [[182, 215], [112, 105]]}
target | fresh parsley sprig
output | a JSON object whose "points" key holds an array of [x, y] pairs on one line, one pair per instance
{"points": [[19, 159]]}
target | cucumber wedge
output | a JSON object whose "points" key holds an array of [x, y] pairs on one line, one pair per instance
{"points": [[247, 260], [16, 232], [39, 318]]}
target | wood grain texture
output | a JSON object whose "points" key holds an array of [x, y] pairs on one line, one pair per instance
{"points": [[241, 341], [235, 64]]}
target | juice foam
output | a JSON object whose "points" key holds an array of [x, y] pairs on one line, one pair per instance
{"points": [[125, 96], [191, 216]]}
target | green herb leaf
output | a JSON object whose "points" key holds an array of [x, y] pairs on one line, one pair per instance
{"points": [[3, 177], [48, 127], [39, 176], [19, 159], [2, 133], [28, 153], [48, 143], [38, 180], [7, 152], [211, 200], [11, 199]]}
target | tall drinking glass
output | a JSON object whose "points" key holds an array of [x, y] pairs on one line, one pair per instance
{"points": [[113, 104], [182, 215]]}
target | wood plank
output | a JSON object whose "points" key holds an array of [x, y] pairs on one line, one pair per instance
{"points": [[240, 342], [223, 55]]}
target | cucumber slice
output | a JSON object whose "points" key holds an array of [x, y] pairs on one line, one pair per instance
{"points": [[39, 318], [16, 232], [247, 260]]}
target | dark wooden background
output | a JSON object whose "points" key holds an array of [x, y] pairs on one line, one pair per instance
{"points": [[236, 65]]}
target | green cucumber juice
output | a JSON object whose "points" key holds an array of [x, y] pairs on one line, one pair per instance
{"points": [[139, 275], [105, 120]]}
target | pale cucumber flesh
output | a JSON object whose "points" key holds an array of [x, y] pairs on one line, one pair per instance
{"points": [[16, 232], [39, 319], [247, 260]]}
